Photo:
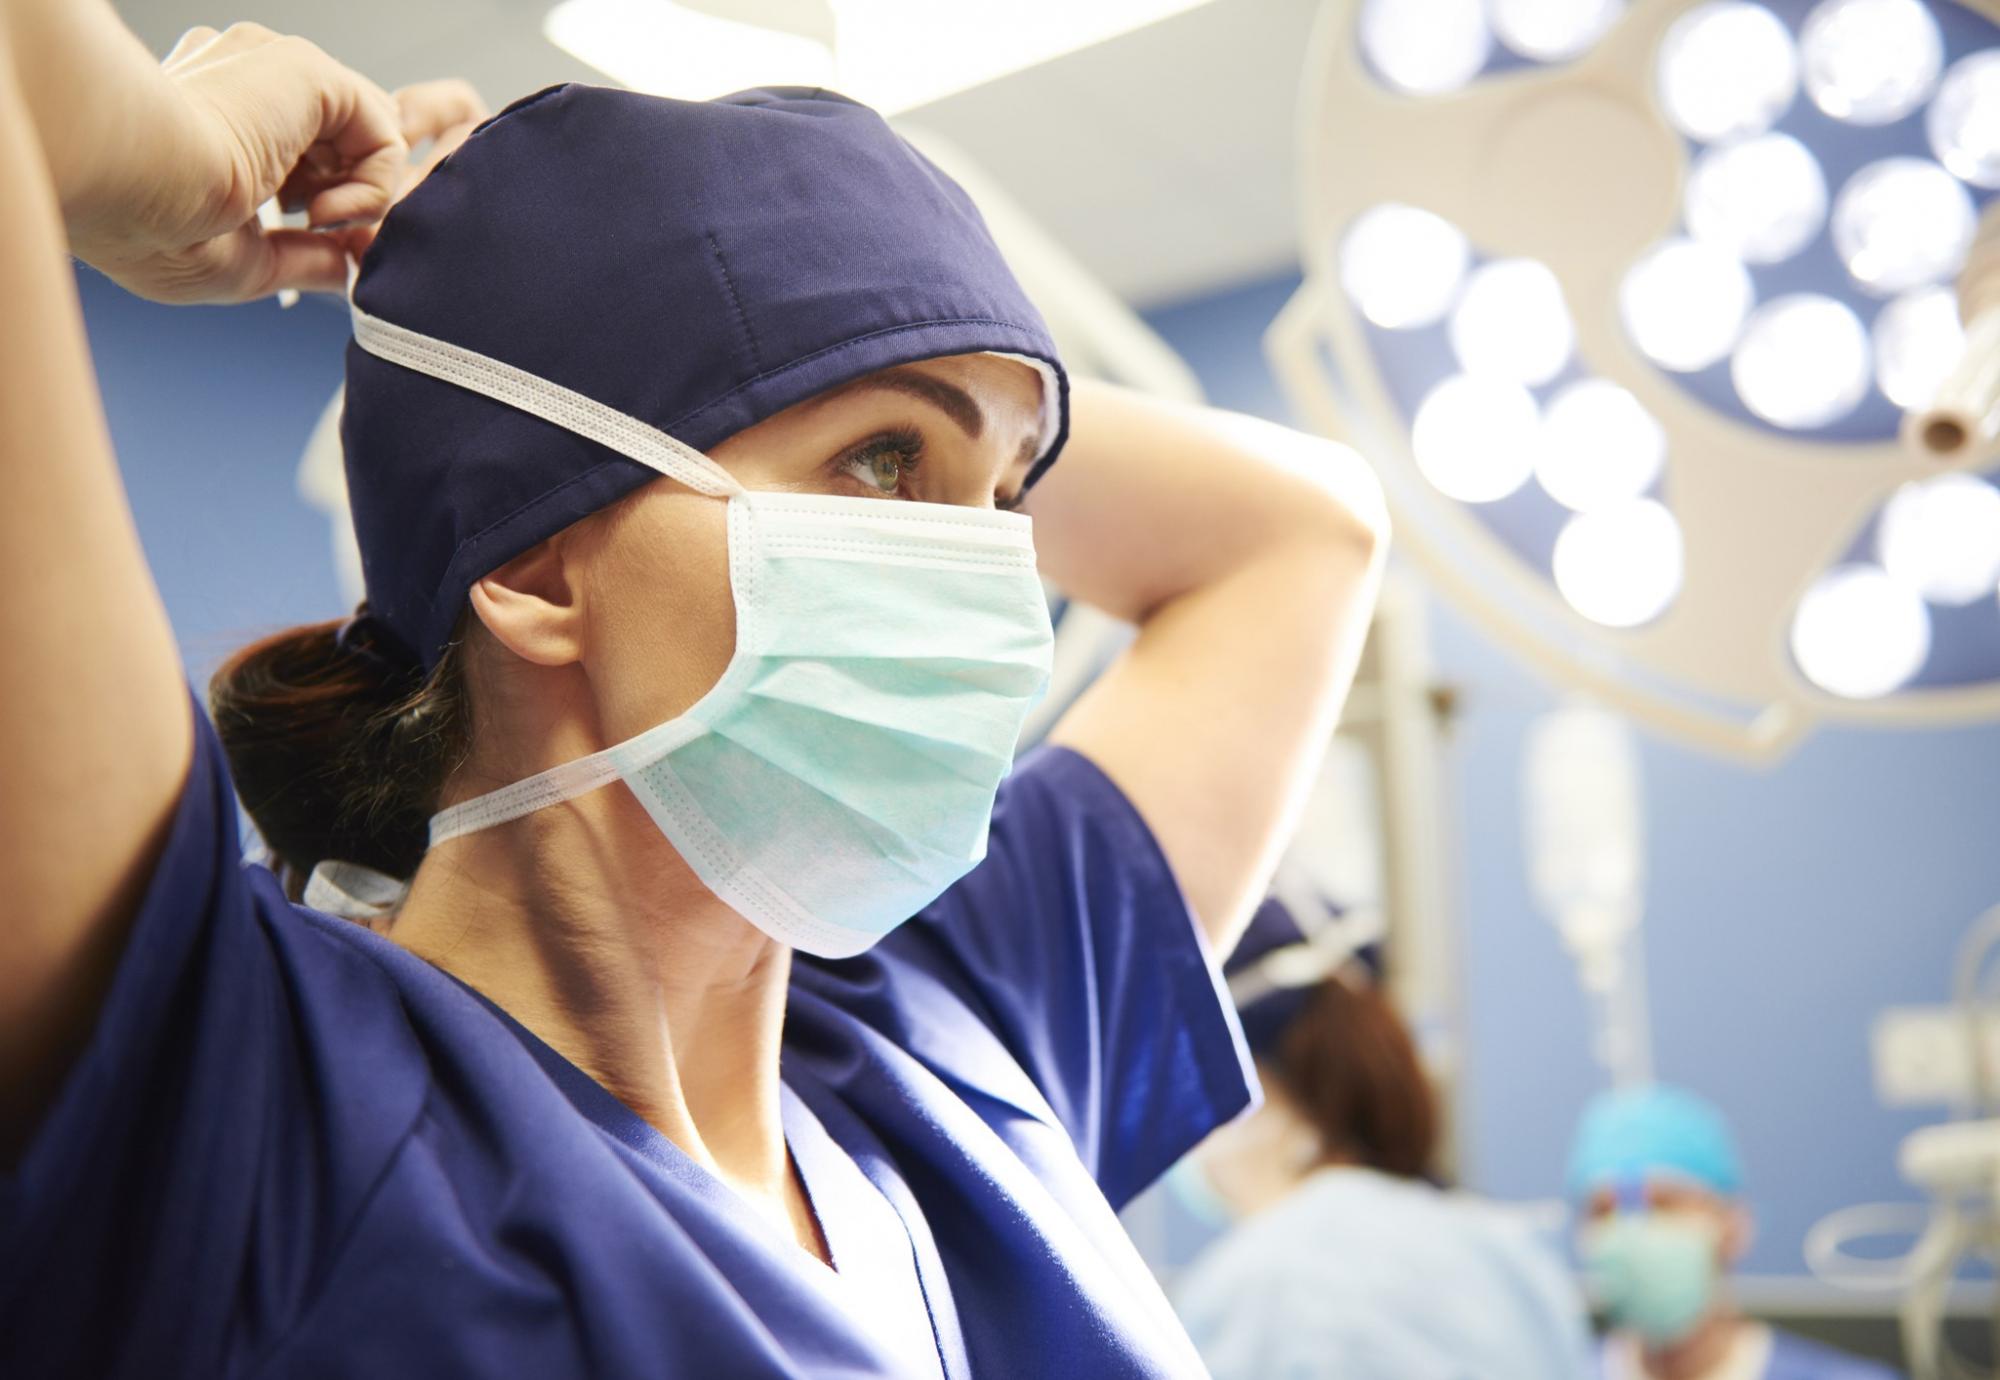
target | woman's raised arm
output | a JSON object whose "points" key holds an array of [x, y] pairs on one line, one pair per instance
{"points": [[154, 175], [1250, 556]]}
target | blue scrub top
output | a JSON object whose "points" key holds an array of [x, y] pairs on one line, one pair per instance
{"points": [[293, 1148]]}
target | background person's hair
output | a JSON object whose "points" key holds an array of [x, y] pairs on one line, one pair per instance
{"points": [[337, 751], [1348, 1062]]}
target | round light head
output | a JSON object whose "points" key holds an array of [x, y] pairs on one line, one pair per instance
{"points": [[1964, 121], [1941, 537], [1870, 62], [1600, 446], [1511, 324], [1803, 361], [1727, 70], [1620, 566], [1425, 47], [1902, 222], [1918, 341], [1402, 266], [1860, 633], [1763, 199], [1474, 438], [1552, 30], [1684, 303]]}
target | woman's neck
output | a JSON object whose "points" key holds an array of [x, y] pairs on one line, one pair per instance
{"points": [[587, 927], [1698, 1354]]}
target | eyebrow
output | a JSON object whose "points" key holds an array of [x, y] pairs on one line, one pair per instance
{"points": [[947, 398]]}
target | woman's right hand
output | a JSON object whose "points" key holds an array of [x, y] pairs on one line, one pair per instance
{"points": [[248, 114]]}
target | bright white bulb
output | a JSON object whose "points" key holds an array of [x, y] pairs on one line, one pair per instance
{"points": [[1870, 62], [1902, 222], [1426, 47], [1620, 566], [1941, 537], [1684, 303], [1511, 323], [1599, 446], [1860, 632], [1803, 361], [1762, 200], [1918, 341], [1552, 30], [1401, 266], [1964, 121], [1474, 438], [1727, 70]]}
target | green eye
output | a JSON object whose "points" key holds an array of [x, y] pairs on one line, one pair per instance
{"points": [[885, 470], [886, 464]]}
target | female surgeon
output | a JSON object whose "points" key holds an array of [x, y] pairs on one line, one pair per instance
{"points": [[683, 1029]]}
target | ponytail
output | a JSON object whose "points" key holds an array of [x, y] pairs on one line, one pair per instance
{"points": [[338, 750], [1348, 1061]]}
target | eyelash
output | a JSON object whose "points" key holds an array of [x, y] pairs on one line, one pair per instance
{"points": [[909, 444]]}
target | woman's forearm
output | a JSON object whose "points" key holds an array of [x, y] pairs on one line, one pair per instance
{"points": [[1250, 557]]}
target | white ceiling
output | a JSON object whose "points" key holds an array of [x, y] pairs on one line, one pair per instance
{"points": [[1162, 158]]}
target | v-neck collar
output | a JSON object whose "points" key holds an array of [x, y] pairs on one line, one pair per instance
{"points": [[877, 1270]]}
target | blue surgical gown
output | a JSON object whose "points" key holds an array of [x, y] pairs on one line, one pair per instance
{"points": [[293, 1148], [1361, 1276]]}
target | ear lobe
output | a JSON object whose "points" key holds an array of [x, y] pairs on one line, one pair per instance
{"points": [[532, 607]]}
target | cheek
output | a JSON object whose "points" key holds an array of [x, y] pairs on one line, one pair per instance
{"points": [[662, 619]]}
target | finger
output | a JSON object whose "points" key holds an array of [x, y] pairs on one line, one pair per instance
{"points": [[190, 44], [302, 260], [429, 108], [364, 129]]}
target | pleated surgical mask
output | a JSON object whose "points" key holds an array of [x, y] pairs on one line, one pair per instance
{"points": [[841, 773]]}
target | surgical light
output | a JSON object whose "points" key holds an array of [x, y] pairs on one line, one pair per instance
{"points": [[1803, 361], [1599, 446], [1620, 566], [1474, 438], [1918, 341], [1426, 47], [1727, 70], [1870, 62], [1510, 323], [1685, 302], [1860, 633], [1762, 200], [1402, 266], [1902, 222], [1963, 123], [1941, 537], [1551, 30]]}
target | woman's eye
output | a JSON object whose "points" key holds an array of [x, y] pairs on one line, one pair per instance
{"points": [[885, 465]]}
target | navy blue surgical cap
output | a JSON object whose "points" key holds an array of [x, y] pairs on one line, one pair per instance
{"points": [[699, 265]]}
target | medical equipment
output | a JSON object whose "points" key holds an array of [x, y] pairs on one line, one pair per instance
{"points": [[1958, 1164], [1585, 825], [1627, 303]]}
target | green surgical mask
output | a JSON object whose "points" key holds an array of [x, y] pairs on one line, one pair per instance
{"points": [[1656, 1272]]}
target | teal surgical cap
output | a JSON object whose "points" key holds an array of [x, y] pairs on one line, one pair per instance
{"points": [[1634, 1134]]}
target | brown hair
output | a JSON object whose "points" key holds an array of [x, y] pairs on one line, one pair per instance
{"points": [[339, 750], [1349, 1063]]}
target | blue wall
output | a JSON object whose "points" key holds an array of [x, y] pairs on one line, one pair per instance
{"points": [[1784, 906]]}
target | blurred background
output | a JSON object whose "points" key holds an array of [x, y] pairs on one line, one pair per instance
{"points": [[1676, 764]]}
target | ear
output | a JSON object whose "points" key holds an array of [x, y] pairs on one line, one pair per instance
{"points": [[1739, 1229], [532, 606]]}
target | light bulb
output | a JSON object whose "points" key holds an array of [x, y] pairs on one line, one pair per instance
{"points": [[1902, 222], [1474, 438], [1964, 121], [1763, 199], [1552, 30], [1402, 266], [1600, 446], [1803, 361], [1941, 537], [1727, 70], [1511, 324], [1860, 632], [1918, 341], [1684, 303], [1426, 47], [1620, 566], [1870, 62]]}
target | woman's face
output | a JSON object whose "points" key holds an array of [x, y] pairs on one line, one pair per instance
{"points": [[652, 571]]}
